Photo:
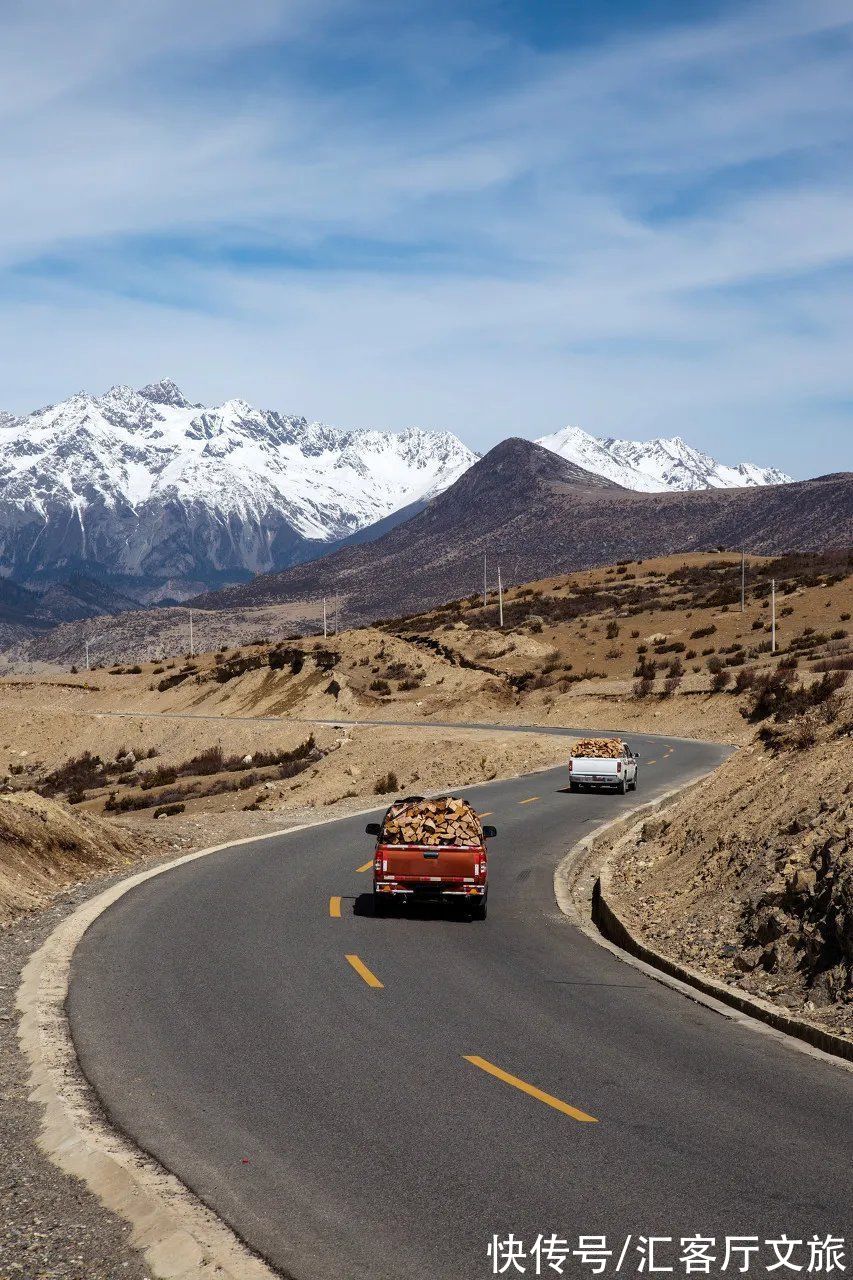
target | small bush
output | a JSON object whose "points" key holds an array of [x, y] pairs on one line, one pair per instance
{"points": [[720, 680], [386, 784], [744, 679], [381, 687], [169, 810]]}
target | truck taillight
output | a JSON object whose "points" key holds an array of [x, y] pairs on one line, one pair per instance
{"points": [[571, 765], [618, 766]]}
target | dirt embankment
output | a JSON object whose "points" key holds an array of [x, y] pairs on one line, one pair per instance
{"points": [[750, 877], [45, 846]]}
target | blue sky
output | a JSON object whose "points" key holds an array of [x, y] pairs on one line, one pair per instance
{"points": [[492, 217]]}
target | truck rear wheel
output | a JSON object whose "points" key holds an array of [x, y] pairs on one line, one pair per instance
{"points": [[380, 904], [479, 910], [623, 787], [573, 786]]}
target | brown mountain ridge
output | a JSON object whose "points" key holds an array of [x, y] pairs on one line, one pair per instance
{"points": [[540, 515]]}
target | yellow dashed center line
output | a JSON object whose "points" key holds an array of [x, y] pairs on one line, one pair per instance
{"points": [[487, 813], [530, 1089], [335, 908], [651, 762], [366, 866], [363, 972], [529, 800]]}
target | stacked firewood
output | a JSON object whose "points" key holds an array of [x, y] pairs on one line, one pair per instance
{"points": [[598, 748], [443, 821]]}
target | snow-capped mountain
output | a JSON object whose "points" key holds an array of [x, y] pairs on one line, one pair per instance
{"points": [[169, 497], [655, 465]]}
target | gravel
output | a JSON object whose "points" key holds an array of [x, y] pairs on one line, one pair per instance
{"points": [[51, 1226]]}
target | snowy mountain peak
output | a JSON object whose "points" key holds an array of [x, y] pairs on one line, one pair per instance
{"points": [[655, 465], [145, 485], [165, 392]]}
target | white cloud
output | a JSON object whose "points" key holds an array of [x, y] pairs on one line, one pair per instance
{"points": [[532, 281]]}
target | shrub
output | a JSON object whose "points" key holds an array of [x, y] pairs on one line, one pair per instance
{"points": [[838, 662], [720, 680], [169, 682], [744, 679], [775, 695], [702, 631], [612, 630], [643, 687], [715, 665], [169, 810], [381, 687], [386, 784]]}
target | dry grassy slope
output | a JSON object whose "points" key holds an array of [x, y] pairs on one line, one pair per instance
{"points": [[750, 878], [45, 846]]}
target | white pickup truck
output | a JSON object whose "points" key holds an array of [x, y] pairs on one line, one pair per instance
{"points": [[617, 770]]}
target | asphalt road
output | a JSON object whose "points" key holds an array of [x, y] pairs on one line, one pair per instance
{"points": [[339, 1126]]}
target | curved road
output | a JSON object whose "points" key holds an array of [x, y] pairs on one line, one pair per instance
{"points": [[340, 1127]]}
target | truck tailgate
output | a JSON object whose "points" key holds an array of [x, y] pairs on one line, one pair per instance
{"points": [[422, 862], [592, 767]]}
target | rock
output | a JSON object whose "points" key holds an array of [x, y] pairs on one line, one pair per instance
{"points": [[247, 760]]}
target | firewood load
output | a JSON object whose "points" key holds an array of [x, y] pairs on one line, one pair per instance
{"points": [[598, 748], [443, 821]]}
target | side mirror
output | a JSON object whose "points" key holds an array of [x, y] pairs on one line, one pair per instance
{"points": [[636, 755], [489, 833], [373, 828]]}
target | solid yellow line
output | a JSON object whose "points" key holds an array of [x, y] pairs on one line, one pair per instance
{"points": [[366, 866], [363, 972], [651, 762], [531, 1089], [335, 908], [529, 800]]}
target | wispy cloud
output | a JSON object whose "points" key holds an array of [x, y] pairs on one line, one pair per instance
{"points": [[394, 214]]}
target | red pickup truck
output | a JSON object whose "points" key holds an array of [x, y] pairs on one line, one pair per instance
{"points": [[431, 851]]}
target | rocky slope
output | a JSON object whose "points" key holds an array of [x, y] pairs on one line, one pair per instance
{"points": [[163, 498], [750, 878], [656, 465]]}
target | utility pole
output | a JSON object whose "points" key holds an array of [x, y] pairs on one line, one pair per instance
{"points": [[192, 649], [773, 616], [87, 654], [743, 581], [336, 613], [500, 600], [325, 628], [485, 586]]}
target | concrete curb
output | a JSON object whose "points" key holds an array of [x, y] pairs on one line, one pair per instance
{"points": [[181, 1239], [583, 889]]}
